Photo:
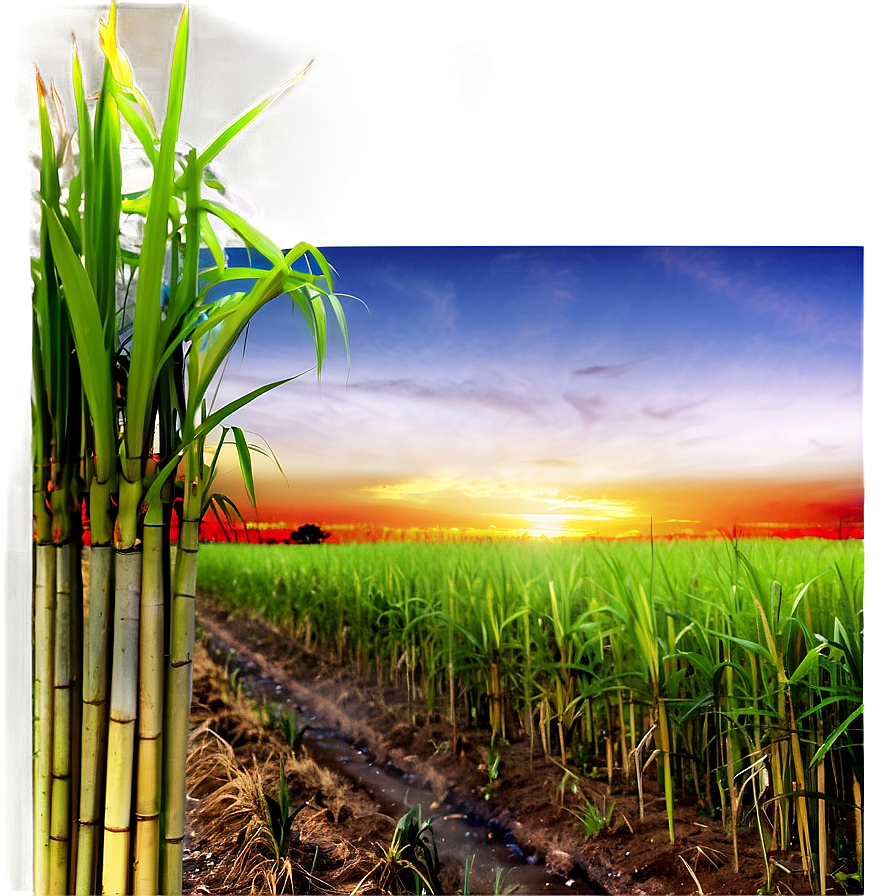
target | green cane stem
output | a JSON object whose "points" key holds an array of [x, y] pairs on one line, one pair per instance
{"points": [[179, 683], [44, 640], [61, 795], [94, 714], [150, 708], [122, 723]]}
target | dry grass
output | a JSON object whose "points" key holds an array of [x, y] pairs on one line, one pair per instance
{"points": [[230, 819], [232, 816]]}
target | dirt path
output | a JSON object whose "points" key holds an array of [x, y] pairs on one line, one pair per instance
{"points": [[532, 798]]}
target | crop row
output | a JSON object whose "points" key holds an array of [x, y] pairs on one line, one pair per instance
{"points": [[735, 668]]}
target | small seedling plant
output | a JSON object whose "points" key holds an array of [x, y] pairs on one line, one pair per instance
{"points": [[410, 864], [492, 762], [595, 821], [277, 816]]}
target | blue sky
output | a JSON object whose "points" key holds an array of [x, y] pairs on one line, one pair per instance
{"points": [[534, 388]]}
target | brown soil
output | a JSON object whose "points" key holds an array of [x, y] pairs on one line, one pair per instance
{"points": [[233, 754], [529, 798]]}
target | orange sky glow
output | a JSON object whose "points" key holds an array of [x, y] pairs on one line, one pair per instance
{"points": [[757, 507]]}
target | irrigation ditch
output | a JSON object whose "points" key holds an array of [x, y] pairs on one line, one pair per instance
{"points": [[526, 822], [467, 843]]}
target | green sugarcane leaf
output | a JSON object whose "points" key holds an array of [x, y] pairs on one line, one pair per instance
{"points": [[813, 795], [136, 117], [147, 312], [339, 311], [721, 667], [832, 737], [123, 83], [304, 248], [217, 417], [73, 207], [211, 240], [93, 359], [212, 505], [750, 646], [697, 661], [85, 137], [189, 329], [251, 235], [292, 279], [245, 459], [49, 172], [184, 284], [855, 697], [160, 476], [101, 247], [204, 365], [319, 315], [802, 593], [214, 148], [227, 507], [808, 664]]}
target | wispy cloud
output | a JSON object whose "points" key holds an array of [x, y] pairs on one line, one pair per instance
{"points": [[797, 307], [674, 411], [590, 407], [468, 392], [610, 370]]}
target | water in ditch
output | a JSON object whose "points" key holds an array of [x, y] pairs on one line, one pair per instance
{"points": [[496, 862]]}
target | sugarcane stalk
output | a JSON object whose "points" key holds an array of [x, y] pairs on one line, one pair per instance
{"points": [[150, 709], [61, 787], [562, 735], [667, 765], [800, 783], [544, 721], [122, 722], [44, 640], [860, 821], [608, 740], [822, 820], [77, 657], [179, 682], [623, 751], [94, 714], [94, 686], [732, 790]]}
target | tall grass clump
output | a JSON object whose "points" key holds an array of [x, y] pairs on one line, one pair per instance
{"points": [[127, 346], [734, 666]]}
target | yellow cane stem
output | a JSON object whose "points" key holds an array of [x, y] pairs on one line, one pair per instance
{"points": [[178, 689], [667, 769], [822, 823], [150, 711], [801, 807], [94, 715], [44, 628], [859, 817], [122, 723], [61, 792]]}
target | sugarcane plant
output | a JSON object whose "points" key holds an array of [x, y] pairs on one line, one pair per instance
{"points": [[128, 343]]}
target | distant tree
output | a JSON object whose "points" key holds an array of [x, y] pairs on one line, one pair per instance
{"points": [[309, 534]]}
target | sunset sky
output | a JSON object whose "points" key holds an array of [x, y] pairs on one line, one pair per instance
{"points": [[567, 391]]}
